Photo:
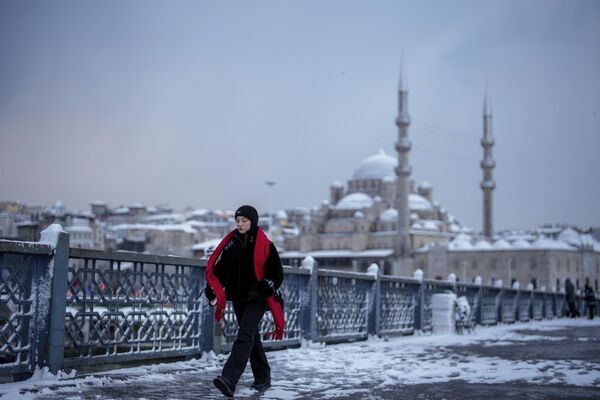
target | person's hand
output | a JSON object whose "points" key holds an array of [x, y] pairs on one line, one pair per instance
{"points": [[265, 288], [210, 295]]}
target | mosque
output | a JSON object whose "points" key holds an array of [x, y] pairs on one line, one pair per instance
{"points": [[382, 216]]}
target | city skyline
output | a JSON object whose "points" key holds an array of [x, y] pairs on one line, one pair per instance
{"points": [[199, 104]]}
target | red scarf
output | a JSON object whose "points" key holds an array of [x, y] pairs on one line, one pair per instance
{"points": [[261, 253]]}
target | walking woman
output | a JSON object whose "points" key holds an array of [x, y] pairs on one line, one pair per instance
{"points": [[245, 268]]}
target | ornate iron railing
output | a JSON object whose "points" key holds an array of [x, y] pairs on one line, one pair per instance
{"points": [[399, 302], [128, 306], [537, 306], [490, 305], [62, 307], [510, 305], [296, 295], [24, 290], [343, 303]]}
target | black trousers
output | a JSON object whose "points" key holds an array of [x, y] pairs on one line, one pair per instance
{"points": [[247, 345]]}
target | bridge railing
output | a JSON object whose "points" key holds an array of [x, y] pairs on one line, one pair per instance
{"points": [[63, 307]]}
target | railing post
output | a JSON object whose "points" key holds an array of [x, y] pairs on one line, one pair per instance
{"points": [[58, 302], [375, 308], [207, 323], [420, 303], [314, 294], [479, 297]]}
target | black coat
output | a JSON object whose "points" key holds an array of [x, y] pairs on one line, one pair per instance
{"points": [[235, 267]]}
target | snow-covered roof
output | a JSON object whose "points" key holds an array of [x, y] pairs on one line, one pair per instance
{"points": [[389, 215], [551, 244], [460, 242], [337, 184], [417, 202], [377, 166], [187, 228], [501, 244], [78, 228], [354, 201], [482, 244], [209, 244], [521, 244], [339, 253]]}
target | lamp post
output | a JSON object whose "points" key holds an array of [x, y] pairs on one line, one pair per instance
{"points": [[271, 185]]}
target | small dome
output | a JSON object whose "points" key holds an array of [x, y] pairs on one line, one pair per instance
{"points": [[379, 166], [521, 243], [460, 242], [501, 244], [389, 215], [425, 185], [337, 184], [482, 244], [354, 201], [417, 202], [571, 237], [359, 214]]}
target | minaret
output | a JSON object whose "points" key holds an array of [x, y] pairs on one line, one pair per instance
{"points": [[403, 246], [487, 165]]}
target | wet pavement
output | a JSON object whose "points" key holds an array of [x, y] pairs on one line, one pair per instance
{"points": [[521, 363]]}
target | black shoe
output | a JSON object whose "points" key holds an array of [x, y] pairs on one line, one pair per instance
{"points": [[224, 386], [261, 387]]}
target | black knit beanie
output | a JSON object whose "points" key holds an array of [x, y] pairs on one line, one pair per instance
{"points": [[248, 212]]}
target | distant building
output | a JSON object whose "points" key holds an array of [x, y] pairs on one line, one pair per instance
{"points": [[379, 216]]}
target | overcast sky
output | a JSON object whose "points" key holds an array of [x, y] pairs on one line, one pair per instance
{"points": [[198, 103]]}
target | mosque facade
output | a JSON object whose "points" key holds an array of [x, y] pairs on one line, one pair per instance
{"points": [[380, 215]]}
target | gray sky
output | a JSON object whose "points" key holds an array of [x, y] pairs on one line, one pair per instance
{"points": [[198, 103]]}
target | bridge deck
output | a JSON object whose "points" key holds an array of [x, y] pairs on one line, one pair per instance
{"points": [[546, 359]]}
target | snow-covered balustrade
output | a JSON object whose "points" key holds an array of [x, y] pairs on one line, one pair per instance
{"points": [[491, 300], [25, 289], [399, 304], [537, 305], [472, 292], [296, 294], [123, 306], [62, 307], [549, 307], [525, 301], [343, 301], [509, 305]]}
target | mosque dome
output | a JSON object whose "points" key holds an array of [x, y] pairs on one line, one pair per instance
{"points": [[389, 215], [378, 166], [354, 201], [418, 202]]}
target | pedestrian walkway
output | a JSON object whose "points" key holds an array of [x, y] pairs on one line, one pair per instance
{"points": [[554, 359]]}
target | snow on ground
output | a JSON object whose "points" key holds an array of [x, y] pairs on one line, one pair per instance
{"points": [[351, 369]]}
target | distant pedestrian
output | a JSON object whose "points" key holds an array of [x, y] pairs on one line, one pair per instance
{"points": [[245, 268], [590, 300], [570, 298]]}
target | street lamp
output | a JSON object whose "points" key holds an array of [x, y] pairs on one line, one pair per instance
{"points": [[271, 185]]}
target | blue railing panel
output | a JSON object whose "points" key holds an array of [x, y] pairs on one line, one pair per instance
{"points": [[510, 305], [398, 304], [24, 299], [295, 294], [472, 293], [342, 305], [524, 305], [537, 306], [123, 310], [490, 305]]}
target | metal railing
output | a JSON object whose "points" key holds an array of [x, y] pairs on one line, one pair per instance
{"points": [[62, 307]]}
